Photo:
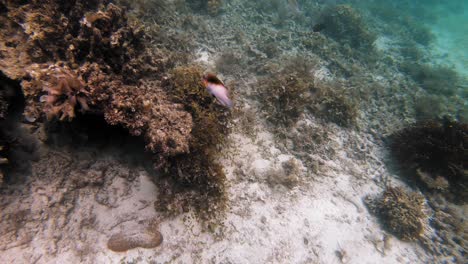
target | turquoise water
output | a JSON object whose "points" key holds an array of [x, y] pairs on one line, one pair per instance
{"points": [[451, 32]]}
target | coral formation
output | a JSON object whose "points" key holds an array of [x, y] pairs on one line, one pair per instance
{"points": [[87, 55], [400, 212], [344, 24], [64, 93], [437, 149], [198, 174]]}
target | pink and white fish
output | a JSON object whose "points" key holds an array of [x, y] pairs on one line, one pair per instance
{"points": [[216, 87]]}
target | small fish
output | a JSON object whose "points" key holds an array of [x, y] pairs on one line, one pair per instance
{"points": [[216, 87]]}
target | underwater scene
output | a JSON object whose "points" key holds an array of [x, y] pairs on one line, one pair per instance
{"points": [[233, 131]]}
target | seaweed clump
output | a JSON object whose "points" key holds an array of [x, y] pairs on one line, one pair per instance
{"points": [[430, 150], [346, 25], [400, 212], [199, 178]]}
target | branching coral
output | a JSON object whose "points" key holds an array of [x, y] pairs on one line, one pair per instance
{"points": [[400, 212], [437, 149]]}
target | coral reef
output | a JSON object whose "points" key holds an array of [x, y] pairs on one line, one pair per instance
{"points": [[436, 149], [344, 24], [88, 55], [200, 178], [400, 212]]}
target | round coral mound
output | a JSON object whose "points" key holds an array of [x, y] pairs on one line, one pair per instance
{"points": [[400, 212]]}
